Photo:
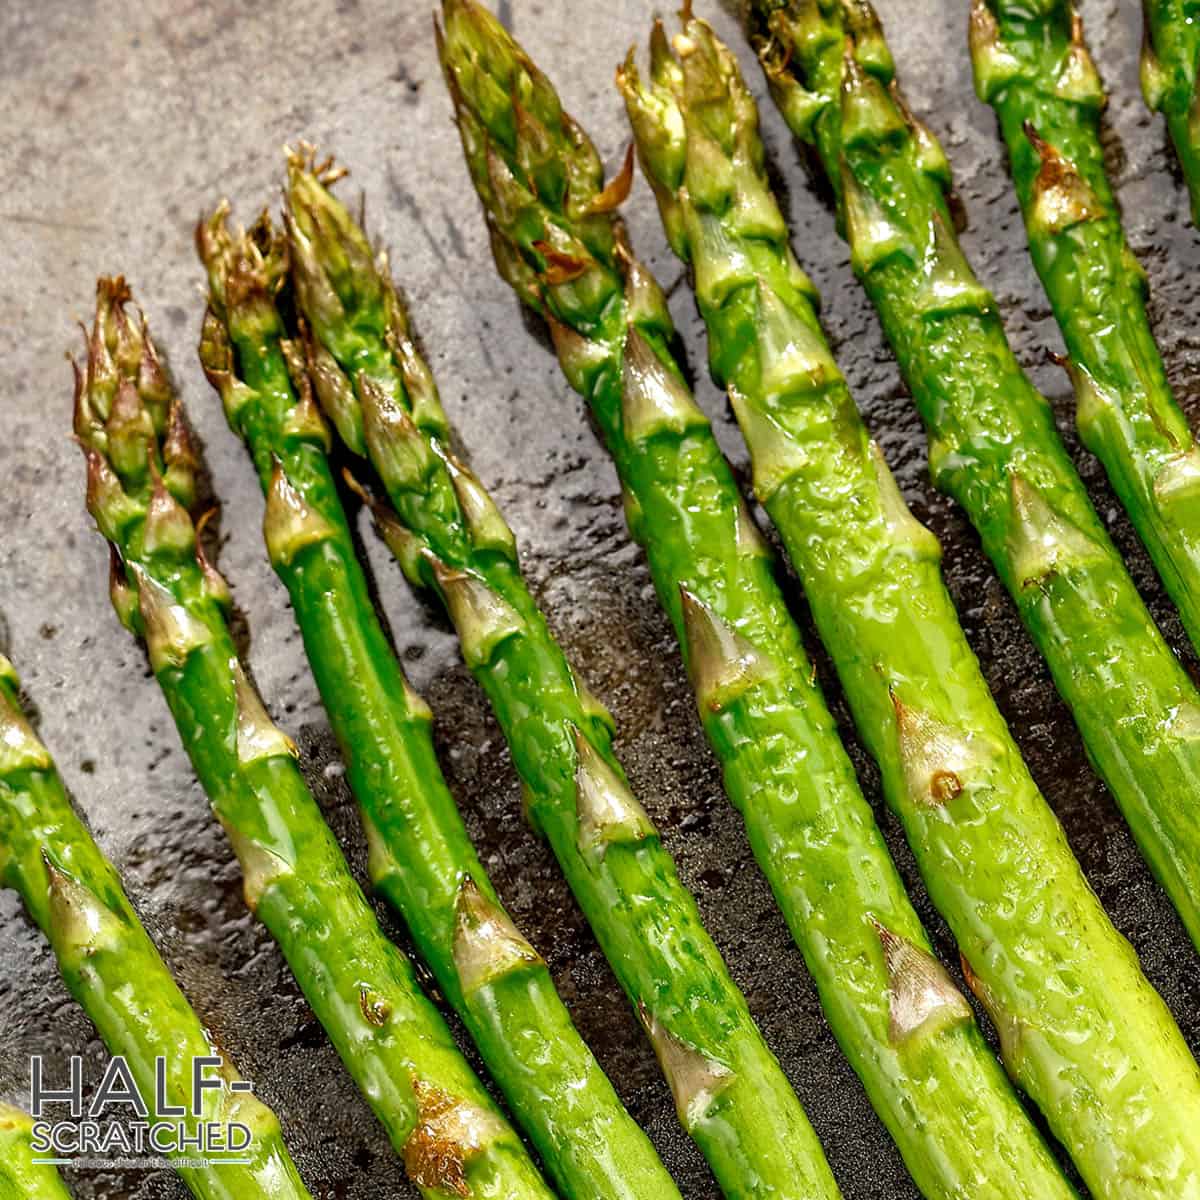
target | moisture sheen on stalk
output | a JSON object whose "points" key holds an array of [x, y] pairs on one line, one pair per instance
{"points": [[730, 1093], [1170, 62]]}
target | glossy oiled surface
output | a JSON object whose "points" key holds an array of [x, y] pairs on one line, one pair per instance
{"points": [[119, 128]]}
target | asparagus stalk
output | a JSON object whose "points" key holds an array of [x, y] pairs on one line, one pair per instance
{"points": [[113, 970], [993, 445], [1032, 66], [421, 858], [1170, 58], [730, 1093], [950, 769], [22, 1177], [440, 1118]]}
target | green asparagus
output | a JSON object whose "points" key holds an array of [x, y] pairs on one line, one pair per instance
{"points": [[421, 858], [141, 486], [730, 1093], [112, 968], [1032, 66], [1170, 59], [22, 1176], [993, 445], [950, 769]]}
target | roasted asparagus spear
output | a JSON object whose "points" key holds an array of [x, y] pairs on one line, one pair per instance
{"points": [[114, 970], [22, 1176], [141, 470], [1170, 58], [421, 858], [1032, 66], [990, 849]]}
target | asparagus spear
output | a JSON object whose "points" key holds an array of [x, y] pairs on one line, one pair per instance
{"points": [[1170, 54], [421, 857], [112, 968], [22, 1177], [141, 468], [730, 1093], [1032, 66], [993, 445], [949, 766]]}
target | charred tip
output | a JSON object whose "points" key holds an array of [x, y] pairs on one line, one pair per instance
{"points": [[616, 191], [561, 266], [1062, 198], [448, 1134]]}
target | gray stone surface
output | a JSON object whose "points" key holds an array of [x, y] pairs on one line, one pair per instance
{"points": [[121, 122]]}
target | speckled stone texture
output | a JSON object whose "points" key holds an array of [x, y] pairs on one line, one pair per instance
{"points": [[121, 122]]}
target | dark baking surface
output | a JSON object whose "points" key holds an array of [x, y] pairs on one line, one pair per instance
{"points": [[121, 122]]}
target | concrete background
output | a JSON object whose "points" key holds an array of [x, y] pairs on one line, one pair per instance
{"points": [[121, 122]]}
